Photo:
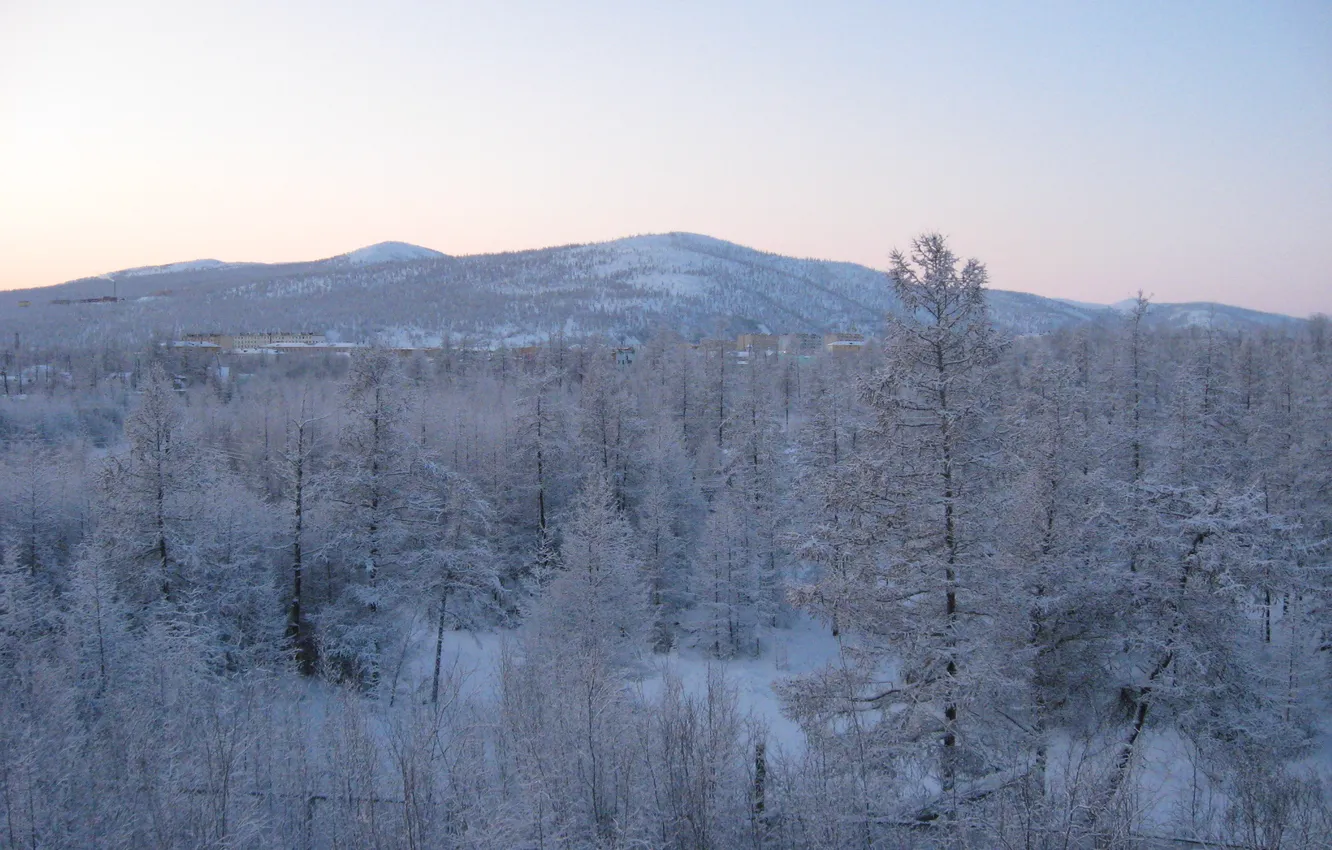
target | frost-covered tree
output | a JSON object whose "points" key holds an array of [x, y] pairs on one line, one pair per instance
{"points": [[540, 446], [459, 565], [921, 597], [667, 506], [41, 512], [565, 697], [378, 487], [151, 497], [299, 474], [598, 602], [606, 423]]}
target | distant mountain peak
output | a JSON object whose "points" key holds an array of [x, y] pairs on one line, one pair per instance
{"points": [[389, 252]]}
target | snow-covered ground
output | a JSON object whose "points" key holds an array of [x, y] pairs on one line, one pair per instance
{"points": [[1173, 799], [473, 658]]}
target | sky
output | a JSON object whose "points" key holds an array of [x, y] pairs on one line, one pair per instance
{"points": [[1081, 150]]}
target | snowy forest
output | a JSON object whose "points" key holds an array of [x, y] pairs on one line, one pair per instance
{"points": [[959, 589]]}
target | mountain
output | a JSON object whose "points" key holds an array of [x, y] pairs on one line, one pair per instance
{"points": [[389, 252], [627, 289], [1204, 314]]}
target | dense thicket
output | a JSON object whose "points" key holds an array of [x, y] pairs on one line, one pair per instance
{"points": [[1078, 584]]}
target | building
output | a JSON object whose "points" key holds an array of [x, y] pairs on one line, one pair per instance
{"points": [[321, 347], [219, 340], [759, 343], [799, 345], [263, 343], [716, 347], [249, 341], [263, 340], [843, 343]]}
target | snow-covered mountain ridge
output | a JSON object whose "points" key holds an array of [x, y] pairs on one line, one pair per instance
{"points": [[626, 289], [169, 268]]}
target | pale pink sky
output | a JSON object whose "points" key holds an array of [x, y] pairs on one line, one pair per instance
{"points": [[1083, 151]]}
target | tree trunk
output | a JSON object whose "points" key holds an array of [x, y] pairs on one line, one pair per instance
{"points": [[439, 647]]}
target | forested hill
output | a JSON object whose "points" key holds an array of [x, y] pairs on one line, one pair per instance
{"points": [[625, 290]]}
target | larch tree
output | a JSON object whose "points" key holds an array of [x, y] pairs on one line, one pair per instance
{"points": [[36, 510], [931, 402], [668, 505], [582, 638], [920, 594], [375, 484], [1052, 576], [152, 496], [540, 445], [725, 582], [607, 425], [460, 563], [297, 470]]}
